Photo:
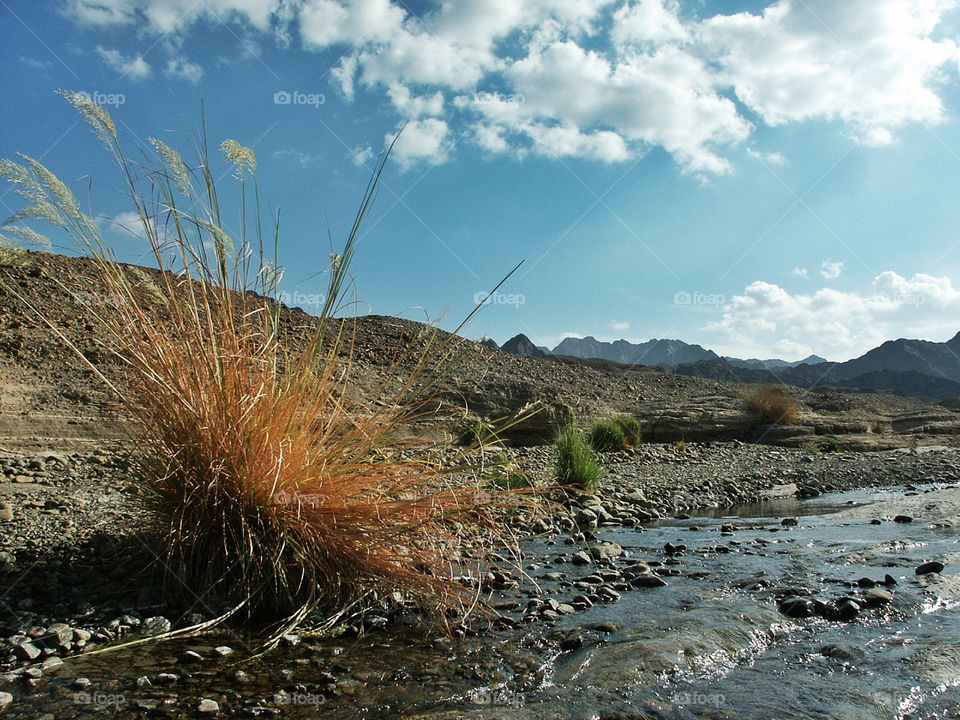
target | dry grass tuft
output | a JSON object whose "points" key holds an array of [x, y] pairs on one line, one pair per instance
{"points": [[772, 404], [270, 488]]}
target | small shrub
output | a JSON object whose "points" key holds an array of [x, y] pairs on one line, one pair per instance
{"points": [[574, 461], [480, 434], [503, 473], [810, 446], [632, 431], [772, 404], [680, 446], [607, 435]]}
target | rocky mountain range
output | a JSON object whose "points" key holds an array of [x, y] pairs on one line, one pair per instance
{"points": [[918, 368]]}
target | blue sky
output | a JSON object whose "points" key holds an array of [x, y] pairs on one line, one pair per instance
{"points": [[763, 178]]}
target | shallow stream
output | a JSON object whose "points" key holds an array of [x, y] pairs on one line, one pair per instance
{"points": [[711, 643]]}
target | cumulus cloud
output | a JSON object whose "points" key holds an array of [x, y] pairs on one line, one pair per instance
{"points": [[184, 69], [800, 272], [421, 140], [830, 270], [838, 324], [135, 68], [602, 79]]}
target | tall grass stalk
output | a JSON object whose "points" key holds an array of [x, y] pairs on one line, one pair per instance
{"points": [[269, 487]]}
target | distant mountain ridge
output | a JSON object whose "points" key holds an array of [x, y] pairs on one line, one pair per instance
{"points": [[663, 353], [918, 368]]}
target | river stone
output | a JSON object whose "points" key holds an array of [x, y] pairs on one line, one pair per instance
{"points": [[903, 519], [797, 608], [606, 551], [847, 609], [648, 581], [877, 596], [929, 567], [789, 522], [841, 652], [26, 651], [580, 558], [6, 512], [208, 707], [585, 518], [156, 625], [5, 700]]}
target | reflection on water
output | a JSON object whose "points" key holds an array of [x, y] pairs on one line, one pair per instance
{"points": [[712, 643]]}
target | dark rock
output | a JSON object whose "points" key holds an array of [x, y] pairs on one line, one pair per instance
{"points": [[903, 519], [797, 607], [789, 522], [929, 567], [572, 642], [26, 651], [647, 581], [847, 609], [876, 596]]}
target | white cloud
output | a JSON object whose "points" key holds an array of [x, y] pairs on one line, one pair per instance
{"points": [[648, 21], [298, 156], [837, 324], [830, 270], [413, 107], [362, 155], [127, 223], [135, 68], [619, 325], [424, 140], [182, 68], [600, 79], [800, 272], [872, 64]]}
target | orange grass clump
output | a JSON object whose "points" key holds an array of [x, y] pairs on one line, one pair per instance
{"points": [[270, 489], [772, 404]]}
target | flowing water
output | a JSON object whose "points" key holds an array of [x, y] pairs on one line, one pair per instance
{"points": [[712, 643]]}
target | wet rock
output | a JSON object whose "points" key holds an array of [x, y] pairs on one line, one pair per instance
{"points": [[889, 579], [208, 707], [647, 581], [6, 699], [789, 522], [929, 567], [847, 609], [797, 607], [191, 656], [903, 519], [581, 558], [26, 651], [876, 596], [846, 653], [156, 625], [585, 518], [866, 582], [572, 642], [223, 650], [606, 551]]}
